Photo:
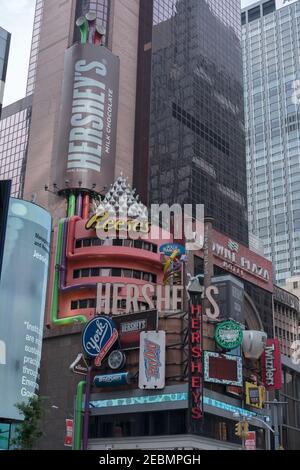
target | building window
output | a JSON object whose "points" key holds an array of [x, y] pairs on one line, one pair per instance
{"points": [[139, 244], [295, 285], [114, 272], [253, 14], [83, 303], [269, 7]]}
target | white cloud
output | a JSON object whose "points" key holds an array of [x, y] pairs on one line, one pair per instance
{"points": [[17, 18]]}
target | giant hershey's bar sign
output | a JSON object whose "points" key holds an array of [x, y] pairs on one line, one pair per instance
{"points": [[88, 117], [271, 365]]}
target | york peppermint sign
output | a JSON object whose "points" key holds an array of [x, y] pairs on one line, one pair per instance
{"points": [[86, 144], [98, 338]]}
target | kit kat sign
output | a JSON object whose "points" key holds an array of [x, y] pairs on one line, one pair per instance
{"points": [[271, 365], [241, 262]]}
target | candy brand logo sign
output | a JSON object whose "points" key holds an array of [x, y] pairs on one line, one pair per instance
{"points": [[106, 223], [87, 120], [138, 325], [98, 337], [95, 344], [152, 360], [270, 365]]}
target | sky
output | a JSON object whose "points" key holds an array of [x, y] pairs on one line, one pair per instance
{"points": [[16, 16]]}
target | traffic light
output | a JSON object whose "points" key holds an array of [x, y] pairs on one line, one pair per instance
{"points": [[242, 429], [238, 429]]}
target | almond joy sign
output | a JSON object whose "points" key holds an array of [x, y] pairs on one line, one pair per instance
{"points": [[98, 337]]}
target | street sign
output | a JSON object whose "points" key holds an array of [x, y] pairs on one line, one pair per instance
{"points": [[69, 432], [79, 366], [250, 441]]}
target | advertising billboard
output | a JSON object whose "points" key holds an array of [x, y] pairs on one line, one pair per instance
{"points": [[255, 395], [86, 146], [152, 364], [223, 369], [98, 337], [271, 365], [23, 289], [5, 187], [130, 327]]}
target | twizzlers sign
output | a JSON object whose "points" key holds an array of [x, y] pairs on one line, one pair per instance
{"points": [[196, 368], [271, 365]]}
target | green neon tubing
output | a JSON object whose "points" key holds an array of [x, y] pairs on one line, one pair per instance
{"points": [[78, 415], [54, 305], [72, 205], [84, 29]]}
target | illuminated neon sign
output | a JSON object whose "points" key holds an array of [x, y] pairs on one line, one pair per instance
{"points": [[168, 398]]}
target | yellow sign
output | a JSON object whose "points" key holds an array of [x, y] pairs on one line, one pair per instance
{"points": [[105, 223], [255, 395]]}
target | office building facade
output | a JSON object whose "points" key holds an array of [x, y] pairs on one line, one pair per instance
{"points": [[200, 85], [38, 16], [286, 319], [14, 135], [270, 37], [4, 51], [191, 100], [16, 119], [120, 21]]}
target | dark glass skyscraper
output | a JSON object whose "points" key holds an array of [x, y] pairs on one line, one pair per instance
{"points": [[14, 135], [4, 51], [196, 138]]}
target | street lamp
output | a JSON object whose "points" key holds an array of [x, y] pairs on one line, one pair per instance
{"points": [[275, 403]]}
